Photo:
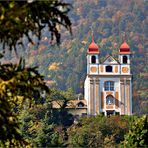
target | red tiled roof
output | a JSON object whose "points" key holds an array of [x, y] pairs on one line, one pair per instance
{"points": [[70, 104]]}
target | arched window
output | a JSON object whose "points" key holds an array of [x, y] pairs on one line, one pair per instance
{"points": [[110, 100], [124, 59], [108, 68], [80, 104], [109, 86], [93, 59]]}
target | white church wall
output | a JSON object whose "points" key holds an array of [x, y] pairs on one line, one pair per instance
{"points": [[116, 89], [115, 69]]}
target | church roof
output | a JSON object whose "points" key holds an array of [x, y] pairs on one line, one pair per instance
{"points": [[93, 47], [71, 104], [124, 48]]}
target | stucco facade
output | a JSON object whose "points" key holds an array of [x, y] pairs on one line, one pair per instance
{"points": [[108, 85]]}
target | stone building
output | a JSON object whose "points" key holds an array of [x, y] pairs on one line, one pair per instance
{"points": [[108, 85], [74, 107]]}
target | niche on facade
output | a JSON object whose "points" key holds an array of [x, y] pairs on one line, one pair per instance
{"points": [[110, 100]]}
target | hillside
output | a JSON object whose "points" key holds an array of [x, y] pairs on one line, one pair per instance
{"points": [[112, 21]]}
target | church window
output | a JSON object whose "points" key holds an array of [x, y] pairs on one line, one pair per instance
{"points": [[109, 86], [93, 59], [80, 104], [124, 59], [109, 100], [108, 68]]}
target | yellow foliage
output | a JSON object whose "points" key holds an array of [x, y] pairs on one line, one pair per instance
{"points": [[84, 42], [81, 49], [54, 66], [69, 50], [49, 76]]}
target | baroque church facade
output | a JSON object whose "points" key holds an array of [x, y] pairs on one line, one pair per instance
{"points": [[108, 85]]}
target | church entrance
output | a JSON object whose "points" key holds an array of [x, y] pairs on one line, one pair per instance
{"points": [[110, 112]]}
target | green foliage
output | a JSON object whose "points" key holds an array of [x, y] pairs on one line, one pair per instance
{"points": [[20, 18], [21, 87], [44, 125], [112, 22], [98, 131], [18, 86], [138, 133], [61, 95], [47, 136]]}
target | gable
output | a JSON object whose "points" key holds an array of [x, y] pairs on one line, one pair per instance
{"points": [[110, 60]]}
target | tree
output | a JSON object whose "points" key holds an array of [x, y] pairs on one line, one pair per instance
{"points": [[21, 18], [138, 133], [60, 115], [44, 125], [19, 86], [99, 131]]}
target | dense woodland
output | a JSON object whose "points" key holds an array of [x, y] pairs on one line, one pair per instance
{"points": [[64, 66], [112, 21], [27, 117]]}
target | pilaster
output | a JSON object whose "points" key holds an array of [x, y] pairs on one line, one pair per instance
{"points": [[122, 104], [91, 97], [97, 97], [128, 96]]}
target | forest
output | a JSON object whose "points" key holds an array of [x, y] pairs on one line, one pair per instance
{"points": [[112, 22], [45, 62]]}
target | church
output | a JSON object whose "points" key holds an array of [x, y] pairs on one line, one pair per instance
{"points": [[108, 85]]}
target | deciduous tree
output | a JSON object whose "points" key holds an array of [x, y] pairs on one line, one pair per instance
{"points": [[21, 18], [138, 133]]}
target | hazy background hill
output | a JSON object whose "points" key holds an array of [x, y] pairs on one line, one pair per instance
{"points": [[112, 22]]}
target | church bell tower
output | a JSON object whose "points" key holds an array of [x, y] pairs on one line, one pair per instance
{"points": [[108, 85], [93, 58]]}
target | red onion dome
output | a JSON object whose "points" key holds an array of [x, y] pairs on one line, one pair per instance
{"points": [[124, 48], [93, 47]]}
